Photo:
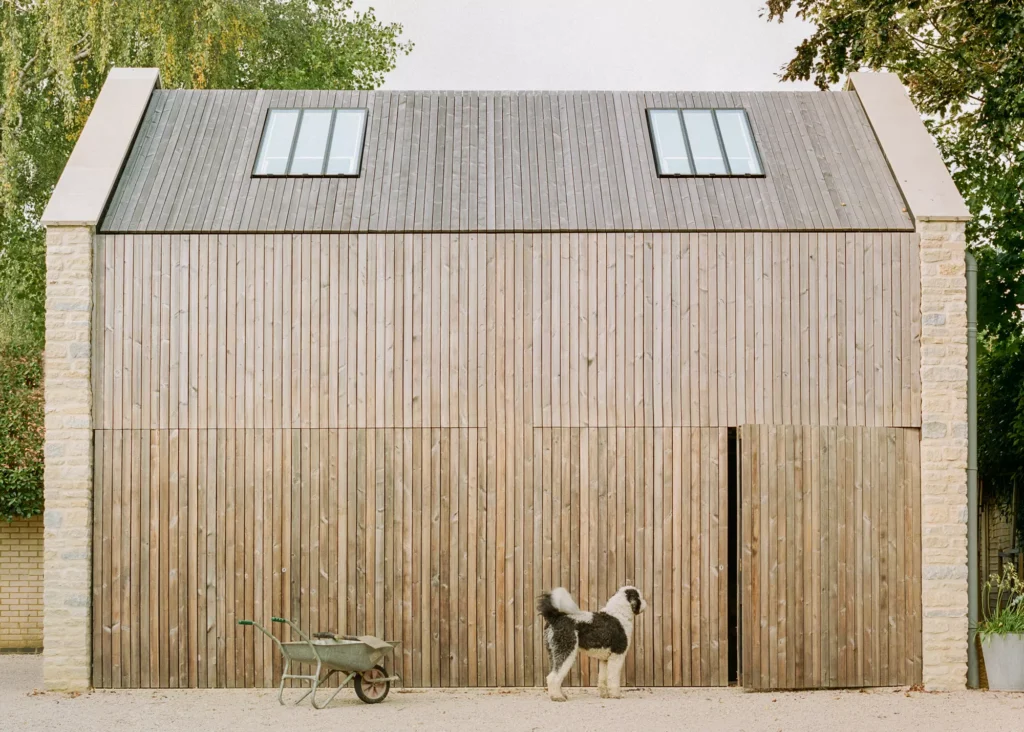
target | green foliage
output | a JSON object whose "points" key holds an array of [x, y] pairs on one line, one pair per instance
{"points": [[1006, 615], [54, 57], [962, 62], [21, 420], [1001, 410]]}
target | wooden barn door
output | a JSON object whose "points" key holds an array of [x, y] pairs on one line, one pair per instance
{"points": [[830, 556]]}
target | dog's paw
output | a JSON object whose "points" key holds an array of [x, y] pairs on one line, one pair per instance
{"points": [[559, 698], [610, 694], [603, 692]]}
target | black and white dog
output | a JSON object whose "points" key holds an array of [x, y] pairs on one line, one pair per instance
{"points": [[605, 635]]}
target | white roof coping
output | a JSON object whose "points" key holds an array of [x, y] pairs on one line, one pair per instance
{"points": [[916, 163], [89, 177]]}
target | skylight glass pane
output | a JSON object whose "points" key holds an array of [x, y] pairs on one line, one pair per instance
{"points": [[669, 144], [312, 142], [277, 142], [346, 142], [707, 155], [739, 143]]}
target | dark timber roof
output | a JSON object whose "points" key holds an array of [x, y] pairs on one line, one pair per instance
{"points": [[503, 161]]}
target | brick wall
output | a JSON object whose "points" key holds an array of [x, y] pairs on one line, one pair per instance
{"points": [[21, 584], [944, 454]]}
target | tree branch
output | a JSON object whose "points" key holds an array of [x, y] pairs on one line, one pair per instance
{"points": [[80, 56], [949, 67]]}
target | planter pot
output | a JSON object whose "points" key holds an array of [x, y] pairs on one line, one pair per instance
{"points": [[1004, 662]]}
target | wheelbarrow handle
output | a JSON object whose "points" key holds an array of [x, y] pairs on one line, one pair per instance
{"points": [[263, 630], [297, 630]]}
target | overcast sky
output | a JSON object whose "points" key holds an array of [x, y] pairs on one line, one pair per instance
{"points": [[590, 44]]}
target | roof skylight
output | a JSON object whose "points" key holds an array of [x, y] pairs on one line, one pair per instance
{"points": [[311, 142], [697, 142]]}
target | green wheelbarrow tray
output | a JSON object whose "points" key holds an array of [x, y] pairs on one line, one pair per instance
{"points": [[331, 654], [348, 654]]}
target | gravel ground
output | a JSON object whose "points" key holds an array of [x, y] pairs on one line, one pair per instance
{"points": [[24, 708]]}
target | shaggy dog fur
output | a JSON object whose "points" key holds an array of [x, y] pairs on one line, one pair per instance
{"points": [[605, 635]]}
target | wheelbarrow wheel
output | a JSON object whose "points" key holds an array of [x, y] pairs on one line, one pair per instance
{"points": [[368, 689]]}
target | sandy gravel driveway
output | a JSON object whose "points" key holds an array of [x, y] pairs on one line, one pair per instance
{"points": [[21, 708]]}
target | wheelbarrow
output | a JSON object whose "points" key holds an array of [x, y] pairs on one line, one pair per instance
{"points": [[356, 656]]}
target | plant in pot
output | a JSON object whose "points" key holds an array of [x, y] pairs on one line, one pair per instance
{"points": [[1002, 631]]}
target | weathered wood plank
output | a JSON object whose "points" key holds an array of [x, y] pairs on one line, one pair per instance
{"points": [[858, 568], [626, 498]]}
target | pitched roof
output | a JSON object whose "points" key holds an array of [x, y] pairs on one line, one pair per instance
{"points": [[503, 161]]}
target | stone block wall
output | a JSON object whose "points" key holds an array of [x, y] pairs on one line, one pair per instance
{"points": [[21, 585], [67, 533], [944, 453]]}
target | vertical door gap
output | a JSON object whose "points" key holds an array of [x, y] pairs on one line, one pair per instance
{"points": [[734, 557]]}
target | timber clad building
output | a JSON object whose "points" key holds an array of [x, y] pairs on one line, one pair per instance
{"points": [[395, 363]]}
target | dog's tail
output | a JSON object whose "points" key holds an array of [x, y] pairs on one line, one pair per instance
{"points": [[553, 605]]}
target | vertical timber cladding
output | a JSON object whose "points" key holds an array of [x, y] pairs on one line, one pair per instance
{"points": [[414, 435], [830, 560]]}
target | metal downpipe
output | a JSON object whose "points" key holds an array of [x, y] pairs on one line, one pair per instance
{"points": [[973, 680]]}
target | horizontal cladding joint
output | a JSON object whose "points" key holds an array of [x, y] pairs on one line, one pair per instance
{"points": [[459, 232]]}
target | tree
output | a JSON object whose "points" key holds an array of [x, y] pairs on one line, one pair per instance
{"points": [[962, 62], [54, 57]]}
